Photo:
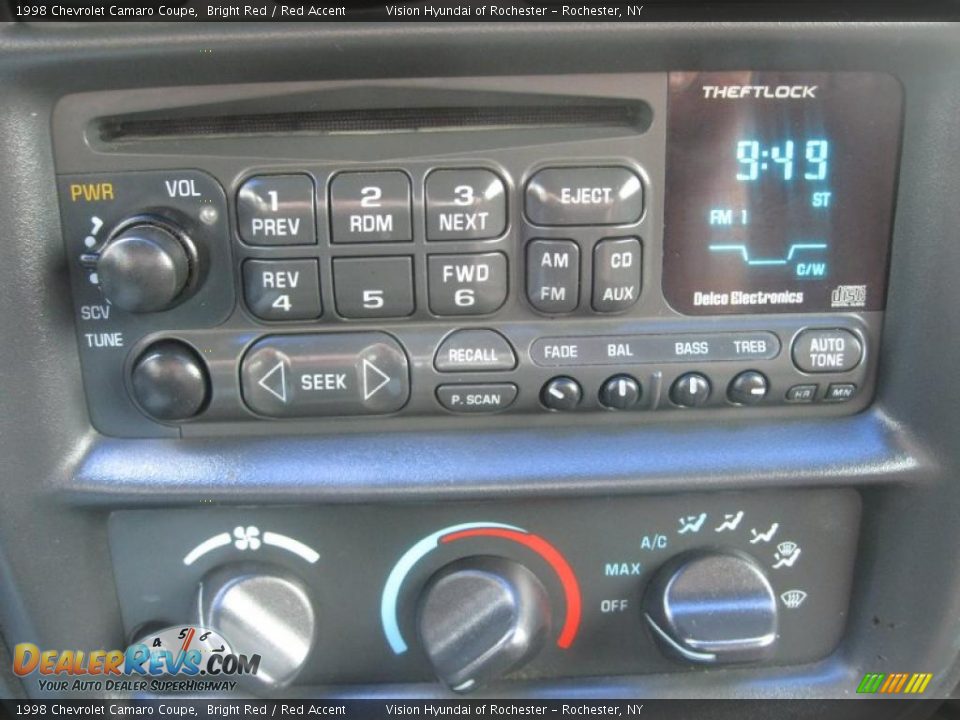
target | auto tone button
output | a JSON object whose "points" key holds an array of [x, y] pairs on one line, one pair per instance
{"points": [[325, 374], [827, 350]]}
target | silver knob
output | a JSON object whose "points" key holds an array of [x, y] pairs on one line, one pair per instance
{"points": [[260, 610]]}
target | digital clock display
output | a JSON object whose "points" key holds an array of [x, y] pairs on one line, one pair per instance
{"points": [[780, 190]]}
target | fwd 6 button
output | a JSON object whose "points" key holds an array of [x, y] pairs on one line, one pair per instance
{"points": [[325, 374]]}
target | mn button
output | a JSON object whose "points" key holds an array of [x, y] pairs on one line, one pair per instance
{"points": [[325, 374]]}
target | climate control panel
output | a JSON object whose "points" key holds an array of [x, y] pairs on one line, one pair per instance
{"points": [[472, 593]]}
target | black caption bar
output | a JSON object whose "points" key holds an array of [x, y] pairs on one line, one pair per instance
{"points": [[472, 10], [219, 709]]}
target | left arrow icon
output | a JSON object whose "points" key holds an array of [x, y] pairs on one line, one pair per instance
{"points": [[275, 382]]}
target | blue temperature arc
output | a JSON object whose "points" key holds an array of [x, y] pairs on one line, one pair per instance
{"points": [[391, 591], [745, 253]]}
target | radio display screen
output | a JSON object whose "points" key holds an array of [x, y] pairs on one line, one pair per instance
{"points": [[779, 191]]}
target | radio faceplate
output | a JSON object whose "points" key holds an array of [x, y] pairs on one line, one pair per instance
{"points": [[472, 277]]}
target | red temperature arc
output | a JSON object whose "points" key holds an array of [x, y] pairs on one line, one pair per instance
{"points": [[571, 588]]}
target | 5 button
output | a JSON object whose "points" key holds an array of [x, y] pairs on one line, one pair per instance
{"points": [[373, 287]]}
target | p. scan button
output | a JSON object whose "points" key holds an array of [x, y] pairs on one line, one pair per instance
{"points": [[325, 374]]}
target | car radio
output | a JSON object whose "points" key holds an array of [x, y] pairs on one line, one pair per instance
{"points": [[604, 248]]}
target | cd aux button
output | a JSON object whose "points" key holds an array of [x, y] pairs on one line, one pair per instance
{"points": [[616, 274], [475, 351]]}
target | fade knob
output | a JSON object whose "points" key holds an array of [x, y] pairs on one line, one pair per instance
{"points": [[480, 618], [260, 610], [146, 267], [712, 607]]}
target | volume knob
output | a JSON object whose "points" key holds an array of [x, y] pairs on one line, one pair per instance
{"points": [[145, 267]]}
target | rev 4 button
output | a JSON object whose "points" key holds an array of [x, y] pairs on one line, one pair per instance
{"points": [[325, 374]]}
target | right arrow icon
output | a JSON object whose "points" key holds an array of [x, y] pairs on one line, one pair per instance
{"points": [[275, 382], [373, 379]]}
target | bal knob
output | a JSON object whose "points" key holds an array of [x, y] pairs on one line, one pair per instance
{"points": [[480, 618], [145, 267], [712, 607], [260, 610]]}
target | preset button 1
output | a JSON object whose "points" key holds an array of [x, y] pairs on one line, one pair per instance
{"points": [[277, 210], [325, 374]]}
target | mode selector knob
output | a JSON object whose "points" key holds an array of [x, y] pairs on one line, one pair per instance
{"points": [[480, 618], [146, 266], [712, 607]]}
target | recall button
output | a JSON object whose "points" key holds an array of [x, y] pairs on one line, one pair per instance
{"points": [[362, 373], [827, 350], [475, 351], [478, 398]]}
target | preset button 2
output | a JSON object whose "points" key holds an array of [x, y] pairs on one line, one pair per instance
{"points": [[370, 207], [325, 374], [467, 284]]}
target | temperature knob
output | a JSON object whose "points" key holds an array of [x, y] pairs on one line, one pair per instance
{"points": [[146, 266], [260, 610], [480, 618], [713, 607]]}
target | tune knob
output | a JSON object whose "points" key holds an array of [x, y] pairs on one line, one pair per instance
{"points": [[480, 618], [260, 610], [170, 381], [146, 267], [712, 607]]}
